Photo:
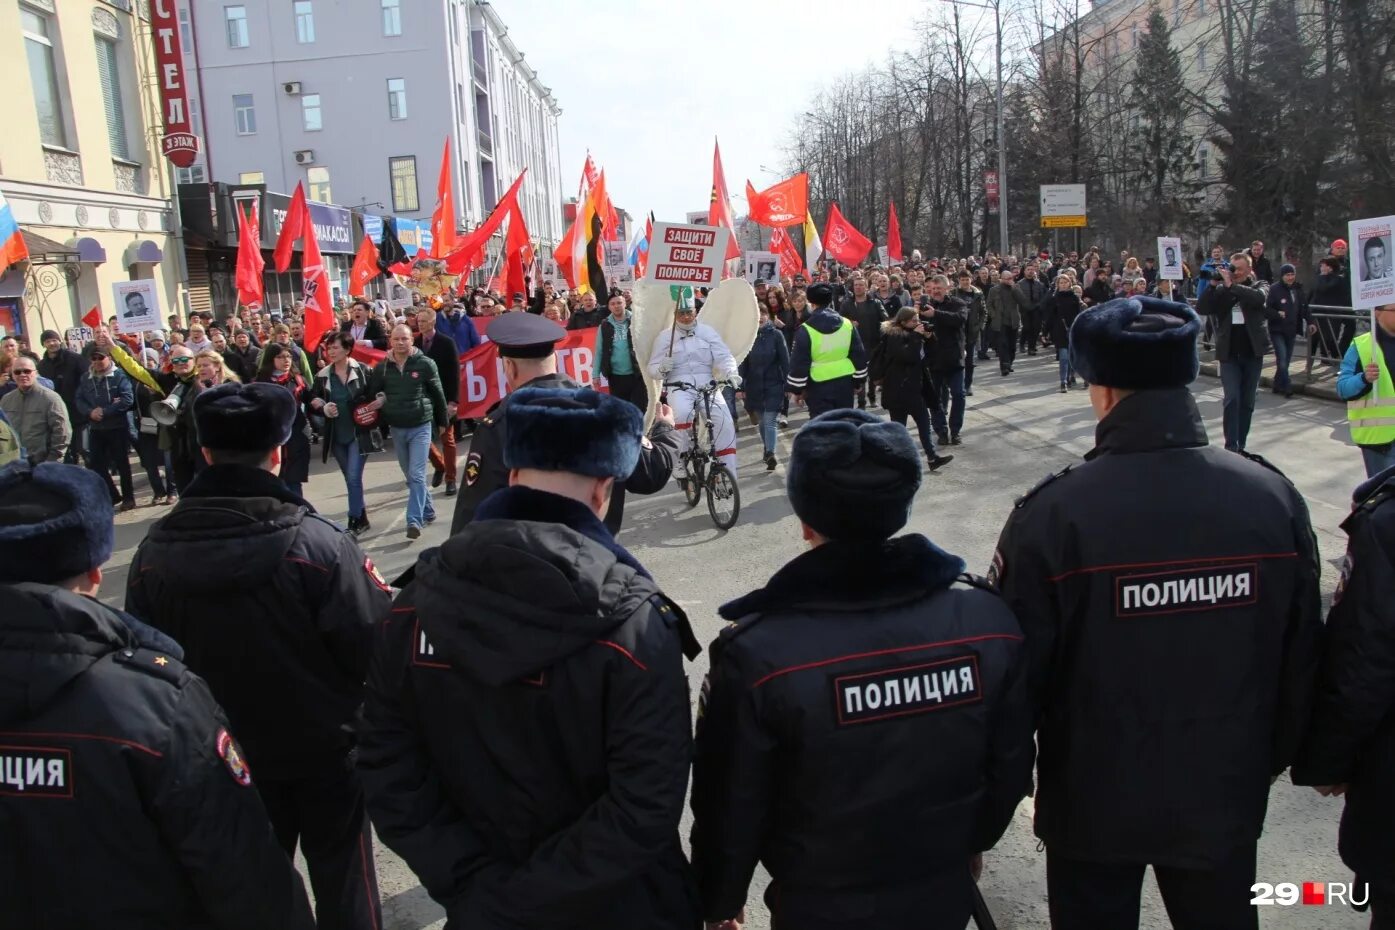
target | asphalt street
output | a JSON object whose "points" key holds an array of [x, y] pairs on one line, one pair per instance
{"points": [[1018, 430]]}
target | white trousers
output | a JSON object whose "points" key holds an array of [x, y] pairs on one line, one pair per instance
{"points": [[684, 404]]}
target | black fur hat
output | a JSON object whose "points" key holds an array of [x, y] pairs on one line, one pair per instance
{"points": [[1136, 343], [55, 522], [853, 475], [253, 417], [820, 294], [575, 430]]}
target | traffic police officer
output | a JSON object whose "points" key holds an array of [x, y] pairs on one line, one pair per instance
{"points": [[828, 359], [527, 345], [1169, 594], [275, 607], [1350, 747], [125, 799], [865, 728]]}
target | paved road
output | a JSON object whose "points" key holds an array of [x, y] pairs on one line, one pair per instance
{"points": [[1018, 429]]}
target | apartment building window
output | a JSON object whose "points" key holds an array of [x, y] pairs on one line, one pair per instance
{"points": [[244, 115], [402, 171], [194, 174], [186, 32], [310, 109], [319, 184], [252, 177], [304, 22], [236, 19], [1134, 30], [397, 98], [1176, 12], [1203, 162], [43, 77], [109, 73], [1201, 56], [1200, 7], [392, 17]]}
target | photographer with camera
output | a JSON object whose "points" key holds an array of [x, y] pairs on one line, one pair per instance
{"points": [[1236, 302]]}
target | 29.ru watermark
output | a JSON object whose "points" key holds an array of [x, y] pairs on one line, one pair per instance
{"points": [[1287, 894]]}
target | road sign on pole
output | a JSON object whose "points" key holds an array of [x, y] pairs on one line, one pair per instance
{"points": [[1062, 205]]}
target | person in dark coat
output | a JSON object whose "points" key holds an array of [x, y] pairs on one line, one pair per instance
{"points": [[972, 298], [282, 632], [1236, 304], [128, 802], [1179, 662], [526, 741], [825, 691], [65, 369], [763, 372], [456, 324], [1287, 308], [368, 331], [1333, 289], [1058, 314], [868, 314], [945, 317], [278, 366], [588, 314], [443, 350], [826, 379], [1350, 748], [615, 355], [527, 347], [245, 355], [898, 366]]}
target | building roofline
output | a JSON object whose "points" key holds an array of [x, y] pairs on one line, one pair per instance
{"points": [[516, 57]]}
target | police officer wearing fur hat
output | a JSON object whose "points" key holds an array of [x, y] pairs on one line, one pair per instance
{"points": [[275, 607], [1169, 593], [864, 731], [827, 359], [125, 799], [527, 736]]}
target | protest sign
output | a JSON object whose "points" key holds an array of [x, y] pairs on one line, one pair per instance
{"points": [[1169, 258], [77, 336], [762, 266], [1372, 283], [883, 256], [137, 305], [681, 253]]}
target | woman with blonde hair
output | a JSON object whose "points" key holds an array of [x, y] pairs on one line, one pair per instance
{"points": [[210, 370]]}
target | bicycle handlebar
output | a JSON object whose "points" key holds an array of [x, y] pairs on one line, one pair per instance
{"points": [[711, 386]]}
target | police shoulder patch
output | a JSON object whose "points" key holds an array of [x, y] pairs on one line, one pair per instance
{"points": [[151, 662], [980, 582], [375, 576], [1036, 489], [472, 468], [232, 757]]}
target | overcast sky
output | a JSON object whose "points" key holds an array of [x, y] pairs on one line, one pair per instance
{"points": [[646, 85]]}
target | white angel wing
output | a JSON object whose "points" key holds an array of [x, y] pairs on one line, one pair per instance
{"points": [[651, 314], [731, 310]]}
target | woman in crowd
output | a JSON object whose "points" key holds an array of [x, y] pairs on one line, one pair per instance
{"points": [[556, 311], [1132, 269], [763, 374], [188, 376], [339, 387], [279, 366], [898, 366], [152, 458], [1059, 312]]}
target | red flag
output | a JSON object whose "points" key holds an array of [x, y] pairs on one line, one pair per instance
{"points": [[893, 235], [469, 248], [319, 314], [565, 254], [781, 244], [719, 208], [93, 318], [782, 204], [842, 240], [365, 267], [249, 259], [590, 176], [642, 259], [515, 245], [297, 221], [443, 217]]}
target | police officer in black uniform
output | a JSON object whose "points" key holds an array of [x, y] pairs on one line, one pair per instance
{"points": [[1350, 749], [275, 607], [865, 729], [526, 742], [1169, 593], [527, 344], [125, 799]]}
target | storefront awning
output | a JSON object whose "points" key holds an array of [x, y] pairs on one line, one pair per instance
{"points": [[142, 252], [89, 250], [44, 251], [12, 283]]}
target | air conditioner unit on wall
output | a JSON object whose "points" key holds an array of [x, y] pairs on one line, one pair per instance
{"points": [[292, 88], [305, 157]]}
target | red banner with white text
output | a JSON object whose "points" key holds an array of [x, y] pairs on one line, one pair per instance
{"points": [[482, 370]]}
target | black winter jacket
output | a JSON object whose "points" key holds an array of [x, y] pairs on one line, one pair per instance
{"points": [[374, 331], [1352, 737], [446, 355], [1218, 301], [65, 370], [946, 351], [898, 366], [1293, 303], [124, 804], [1060, 310], [765, 369], [863, 723], [1173, 668], [526, 742], [274, 606], [868, 315]]}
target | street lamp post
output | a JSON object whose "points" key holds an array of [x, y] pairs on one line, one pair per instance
{"points": [[996, 7]]}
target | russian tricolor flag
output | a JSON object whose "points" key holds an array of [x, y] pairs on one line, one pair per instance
{"points": [[639, 251], [12, 247]]}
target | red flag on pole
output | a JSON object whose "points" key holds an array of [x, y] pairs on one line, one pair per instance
{"points": [[443, 217], [719, 207], [842, 240], [297, 219], [893, 236], [782, 204], [92, 318], [249, 258], [319, 314], [365, 267], [467, 251], [516, 245], [783, 246]]}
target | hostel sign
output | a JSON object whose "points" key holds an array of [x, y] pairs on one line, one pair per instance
{"points": [[179, 145]]}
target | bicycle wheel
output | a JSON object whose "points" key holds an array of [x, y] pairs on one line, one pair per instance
{"points": [[692, 485], [723, 497]]}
